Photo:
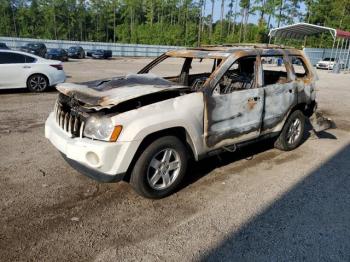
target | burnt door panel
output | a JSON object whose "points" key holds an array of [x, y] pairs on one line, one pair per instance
{"points": [[279, 99], [234, 117]]}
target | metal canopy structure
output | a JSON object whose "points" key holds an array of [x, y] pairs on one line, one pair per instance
{"points": [[341, 40], [300, 30]]}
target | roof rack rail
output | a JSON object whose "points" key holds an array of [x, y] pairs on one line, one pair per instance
{"points": [[249, 45]]}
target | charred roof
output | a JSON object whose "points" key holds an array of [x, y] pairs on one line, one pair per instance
{"points": [[224, 51]]}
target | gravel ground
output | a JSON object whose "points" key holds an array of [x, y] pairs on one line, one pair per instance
{"points": [[258, 204]]}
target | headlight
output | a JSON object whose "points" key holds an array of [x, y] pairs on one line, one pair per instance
{"points": [[101, 128]]}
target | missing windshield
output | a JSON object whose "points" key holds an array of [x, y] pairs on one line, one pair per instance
{"points": [[192, 72]]}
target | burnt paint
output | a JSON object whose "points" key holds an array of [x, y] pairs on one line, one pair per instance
{"points": [[277, 100], [129, 81]]}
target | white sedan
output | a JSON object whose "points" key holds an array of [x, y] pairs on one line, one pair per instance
{"points": [[329, 63], [19, 69]]}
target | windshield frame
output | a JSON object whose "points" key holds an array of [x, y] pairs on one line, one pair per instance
{"points": [[189, 57]]}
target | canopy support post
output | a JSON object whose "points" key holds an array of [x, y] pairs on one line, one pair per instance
{"points": [[340, 53], [332, 51], [343, 57], [347, 62]]}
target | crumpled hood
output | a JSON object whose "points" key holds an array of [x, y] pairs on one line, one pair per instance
{"points": [[110, 92]]}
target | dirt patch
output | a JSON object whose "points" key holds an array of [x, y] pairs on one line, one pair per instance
{"points": [[19, 125]]}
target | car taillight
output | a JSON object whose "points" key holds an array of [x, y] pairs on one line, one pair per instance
{"points": [[58, 67]]}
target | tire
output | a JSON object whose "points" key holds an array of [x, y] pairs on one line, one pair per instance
{"points": [[292, 132], [155, 173], [37, 83]]}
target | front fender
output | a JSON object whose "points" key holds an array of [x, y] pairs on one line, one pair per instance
{"points": [[184, 111]]}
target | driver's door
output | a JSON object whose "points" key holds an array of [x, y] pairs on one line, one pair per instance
{"points": [[234, 110]]}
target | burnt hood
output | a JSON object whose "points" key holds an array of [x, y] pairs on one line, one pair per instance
{"points": [[110, 92]]}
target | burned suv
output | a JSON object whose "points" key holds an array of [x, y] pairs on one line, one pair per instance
{"points": [[186, 104]]}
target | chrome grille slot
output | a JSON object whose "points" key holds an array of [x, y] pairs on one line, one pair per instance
{"points": [[69, 121]]}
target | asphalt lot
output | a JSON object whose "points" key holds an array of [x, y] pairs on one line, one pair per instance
{"points": [[258, 204]]}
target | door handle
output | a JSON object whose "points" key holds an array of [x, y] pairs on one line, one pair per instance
{"points": [[26, 67], [257, 98]]}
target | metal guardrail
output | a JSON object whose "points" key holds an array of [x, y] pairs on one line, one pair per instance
{"points": [[124, 50], [135, 50]]}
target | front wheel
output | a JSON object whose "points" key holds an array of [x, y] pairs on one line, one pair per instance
{"points": [[37, 83], [160, 168], [292, 132]]}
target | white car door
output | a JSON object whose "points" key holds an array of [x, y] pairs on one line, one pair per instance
{"points": [[234, 110], [14, 70]]}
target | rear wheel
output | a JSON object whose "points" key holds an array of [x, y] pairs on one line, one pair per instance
{"points": [[37, 83], [292, 132], [160, 168]]}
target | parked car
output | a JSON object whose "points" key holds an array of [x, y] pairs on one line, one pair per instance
{"points": [[326, 63], [36, 48], [76, 52], [143, 128], [19, 69], [57, 54], [329, 63], [100, 54], [4, 46]]}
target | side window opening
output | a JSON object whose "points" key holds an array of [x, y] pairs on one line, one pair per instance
{"points": [[274, 70], [299, 67], [11, 58], [187, 71], [200, 70], [240, 76]]}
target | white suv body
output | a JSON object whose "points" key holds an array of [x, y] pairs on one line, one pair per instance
{"points": [[143, 128]]}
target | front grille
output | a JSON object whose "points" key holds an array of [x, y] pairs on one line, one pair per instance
{"points": [[71, 122]]}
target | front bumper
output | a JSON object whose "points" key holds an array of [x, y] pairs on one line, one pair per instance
{"points": [[103, 161], [91, 173], [324, 66]]}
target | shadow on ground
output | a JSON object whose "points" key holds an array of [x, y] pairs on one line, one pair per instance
{"points": [[311, 222], [51, 89], [202, 168]]}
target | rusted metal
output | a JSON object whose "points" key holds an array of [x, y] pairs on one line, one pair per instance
{"points": [[319, 122]]}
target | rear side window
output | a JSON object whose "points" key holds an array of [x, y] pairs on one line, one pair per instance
{"points": [[29, 59], [274, 70], [299, 67], [11, 58]]}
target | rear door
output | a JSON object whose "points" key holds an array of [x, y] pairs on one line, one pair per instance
{"points": [[13, 70], [280, 91], [234, 110]]}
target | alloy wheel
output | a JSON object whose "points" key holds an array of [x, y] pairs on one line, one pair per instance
{"points": [[294, 131], [163, 169], [38, 83]]}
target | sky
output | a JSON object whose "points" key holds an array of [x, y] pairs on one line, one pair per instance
{"points": [[217, 11]]}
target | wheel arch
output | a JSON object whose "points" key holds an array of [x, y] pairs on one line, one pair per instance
{"points": [[306, 109], [178, 131], [44, 75]]}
